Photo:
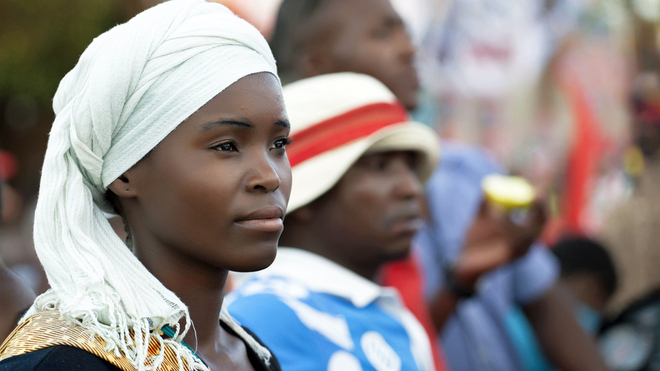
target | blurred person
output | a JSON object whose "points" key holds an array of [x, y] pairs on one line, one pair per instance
{"points": [[358, 164], [11, 200], [587, 270], [631, 229], [16, 247], [368, 36], [589, 278], [475, 291], [15, 296], [316, 37], [175, 121], [629, 339]]}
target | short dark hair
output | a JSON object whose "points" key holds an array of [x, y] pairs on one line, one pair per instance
{"points": [[583, 255], [292, 31]]}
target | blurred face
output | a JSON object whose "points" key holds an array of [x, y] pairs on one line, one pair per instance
{"points": [[370, 38], [588, 289], [373, 212], [214, 191]]}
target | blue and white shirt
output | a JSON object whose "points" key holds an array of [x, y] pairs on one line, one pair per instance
{"points": [[317, 315]]}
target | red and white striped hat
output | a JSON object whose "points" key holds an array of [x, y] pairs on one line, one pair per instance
{"points": [[337, 118]]}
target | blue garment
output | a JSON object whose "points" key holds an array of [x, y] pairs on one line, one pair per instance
{"points": [[525, 342], [475, 338], [316, 315], [589, 318]]}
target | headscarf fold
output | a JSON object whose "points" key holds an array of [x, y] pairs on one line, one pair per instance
{"points": [[131, 87]]}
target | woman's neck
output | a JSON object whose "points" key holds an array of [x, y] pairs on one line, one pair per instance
{"points": [[203, 293], [200, 287]]}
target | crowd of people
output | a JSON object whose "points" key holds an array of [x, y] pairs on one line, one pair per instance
{"points": [[211, 200]]}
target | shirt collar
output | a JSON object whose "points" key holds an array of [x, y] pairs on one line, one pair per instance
{"points": [[322, 275]]}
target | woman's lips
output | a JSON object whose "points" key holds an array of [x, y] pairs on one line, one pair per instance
{"points": [[265, 225], [265, 220]]}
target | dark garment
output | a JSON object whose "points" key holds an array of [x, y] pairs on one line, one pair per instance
{"points": [[256, 362], [57, 358], [65, 358]]}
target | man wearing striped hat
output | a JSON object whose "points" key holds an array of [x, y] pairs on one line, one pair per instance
{"points": [[358, 166]]}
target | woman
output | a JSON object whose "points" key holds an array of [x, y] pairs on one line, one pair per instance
{"points": [[175, 121]]}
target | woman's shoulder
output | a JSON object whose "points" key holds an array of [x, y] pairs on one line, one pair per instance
{"points": [[56, 358], [257, 361]]}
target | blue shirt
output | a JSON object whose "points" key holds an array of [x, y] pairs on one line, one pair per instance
{"points": [[316, 315], [475, 337]]}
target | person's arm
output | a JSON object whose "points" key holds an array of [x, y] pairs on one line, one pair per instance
{"points": [[563, 341], [492, 241], [16, 298], [475, 260]]}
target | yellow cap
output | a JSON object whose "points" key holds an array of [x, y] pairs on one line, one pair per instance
{"points": [[510, 192]]}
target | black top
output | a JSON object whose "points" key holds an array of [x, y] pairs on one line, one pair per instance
{"points": [[65, 358], [57, 358]]}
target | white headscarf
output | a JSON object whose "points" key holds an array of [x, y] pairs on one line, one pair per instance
{"points": [[131, 87]]}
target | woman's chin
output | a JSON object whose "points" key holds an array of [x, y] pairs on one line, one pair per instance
{"points": [[257, 261]]}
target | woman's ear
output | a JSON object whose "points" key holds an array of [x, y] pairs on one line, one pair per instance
{"points": [[122, 187]]}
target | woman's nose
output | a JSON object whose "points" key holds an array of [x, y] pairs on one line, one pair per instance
{"points": [[265, 175]]}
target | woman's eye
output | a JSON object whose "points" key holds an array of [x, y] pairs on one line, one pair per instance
{"points": [[226, 147], [281, 143]]}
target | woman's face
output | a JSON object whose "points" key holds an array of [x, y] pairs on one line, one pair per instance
{"points": [[215, 190]]}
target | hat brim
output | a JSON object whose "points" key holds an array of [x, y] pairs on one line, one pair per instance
{"points": [[315, 176]]}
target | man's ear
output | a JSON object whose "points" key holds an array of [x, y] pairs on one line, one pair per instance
{"points": [[316, 61], [122, 187]]}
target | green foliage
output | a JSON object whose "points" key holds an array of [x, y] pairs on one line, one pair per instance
{"points": [[41, 40]]}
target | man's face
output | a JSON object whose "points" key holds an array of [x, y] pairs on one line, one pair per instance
{"points": [[372, 213], [370, 38]]}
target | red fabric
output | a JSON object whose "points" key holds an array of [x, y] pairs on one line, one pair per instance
{"points": [[405, 276], [8, 165], [647, 111], [343, 129], [583, 159]]}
